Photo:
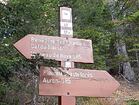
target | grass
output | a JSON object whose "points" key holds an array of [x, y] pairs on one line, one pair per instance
{"points": [[133, 102]]}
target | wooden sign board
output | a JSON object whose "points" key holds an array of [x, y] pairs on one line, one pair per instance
{"points": [[76, 82], [58, 48]]}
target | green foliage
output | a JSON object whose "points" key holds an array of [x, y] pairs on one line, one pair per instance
{"points": [[86, 14], [132, 102], [100, 41], [133, 18], [39, 60], [3, 89], [115, 61], [17, 19], [88, 101]]}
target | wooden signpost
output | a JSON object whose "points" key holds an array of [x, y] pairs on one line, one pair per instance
{"points": [[66, 31], [67, 81]]}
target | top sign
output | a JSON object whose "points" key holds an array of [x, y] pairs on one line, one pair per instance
{"points": [[65, 14], [58, 48], [66, 22]]}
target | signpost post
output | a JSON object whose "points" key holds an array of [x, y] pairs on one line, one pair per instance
{"points": [[67, 81], [66, 30]]}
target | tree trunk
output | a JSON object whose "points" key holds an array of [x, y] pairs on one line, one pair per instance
{"points": [[120, 45], [126, 67], [137, 58], [127, 71]]}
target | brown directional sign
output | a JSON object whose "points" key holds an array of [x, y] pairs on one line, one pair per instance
{"points": [[76, 82], [58, 48]]}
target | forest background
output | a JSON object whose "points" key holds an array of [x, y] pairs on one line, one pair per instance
{"points": [[112, 25]]}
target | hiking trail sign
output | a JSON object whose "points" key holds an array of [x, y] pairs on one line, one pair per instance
{"points": [[58, 48], [67, 82], [76, 82]]}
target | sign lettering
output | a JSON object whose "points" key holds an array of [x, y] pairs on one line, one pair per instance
{"points": [[78, 82], [58, 48]]}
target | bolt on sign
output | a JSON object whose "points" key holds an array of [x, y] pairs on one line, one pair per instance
{"points": [[58, 48], [76, 82], [66, 22]]}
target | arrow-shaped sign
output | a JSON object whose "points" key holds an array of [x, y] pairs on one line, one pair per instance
{"points": [[58, 48], [76, 82]]}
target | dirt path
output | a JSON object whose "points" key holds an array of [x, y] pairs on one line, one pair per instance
{"points": [[126, 91]]}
